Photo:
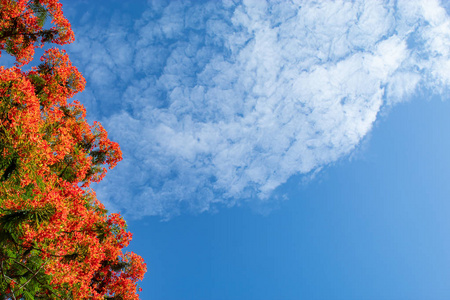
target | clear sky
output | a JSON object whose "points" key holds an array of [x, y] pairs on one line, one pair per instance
{"points": [[279, 149]]}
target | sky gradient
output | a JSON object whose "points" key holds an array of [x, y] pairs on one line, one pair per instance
{"points": [[275, 149]]}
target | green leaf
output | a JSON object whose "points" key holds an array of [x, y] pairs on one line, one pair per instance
{"points": [[9, 170], [28, 295], [40, 12]]}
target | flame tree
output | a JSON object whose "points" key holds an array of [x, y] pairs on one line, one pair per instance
{"points": [[57, 241]]}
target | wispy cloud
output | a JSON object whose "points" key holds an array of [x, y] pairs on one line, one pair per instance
{"points": [[221, 102]]}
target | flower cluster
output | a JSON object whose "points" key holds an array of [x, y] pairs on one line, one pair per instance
{"points": [[22, 27]]}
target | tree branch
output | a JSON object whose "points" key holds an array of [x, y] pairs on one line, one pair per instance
{"points": [[34, 273]]}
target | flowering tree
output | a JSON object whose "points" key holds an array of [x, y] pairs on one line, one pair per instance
{"points": [[56, 239]]}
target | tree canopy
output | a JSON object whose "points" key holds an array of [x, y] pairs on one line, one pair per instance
{"points": [[57, 241]]}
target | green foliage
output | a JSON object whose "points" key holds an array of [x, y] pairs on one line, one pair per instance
{"points": [[24, 280], [11, 222], [38, 83], [40, 12], [11, 167]]}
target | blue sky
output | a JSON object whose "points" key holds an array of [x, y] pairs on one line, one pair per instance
{"points": [[218, 104], [279, 149]]}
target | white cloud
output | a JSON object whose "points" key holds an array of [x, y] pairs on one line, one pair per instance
{"points": [[220, 103]]}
